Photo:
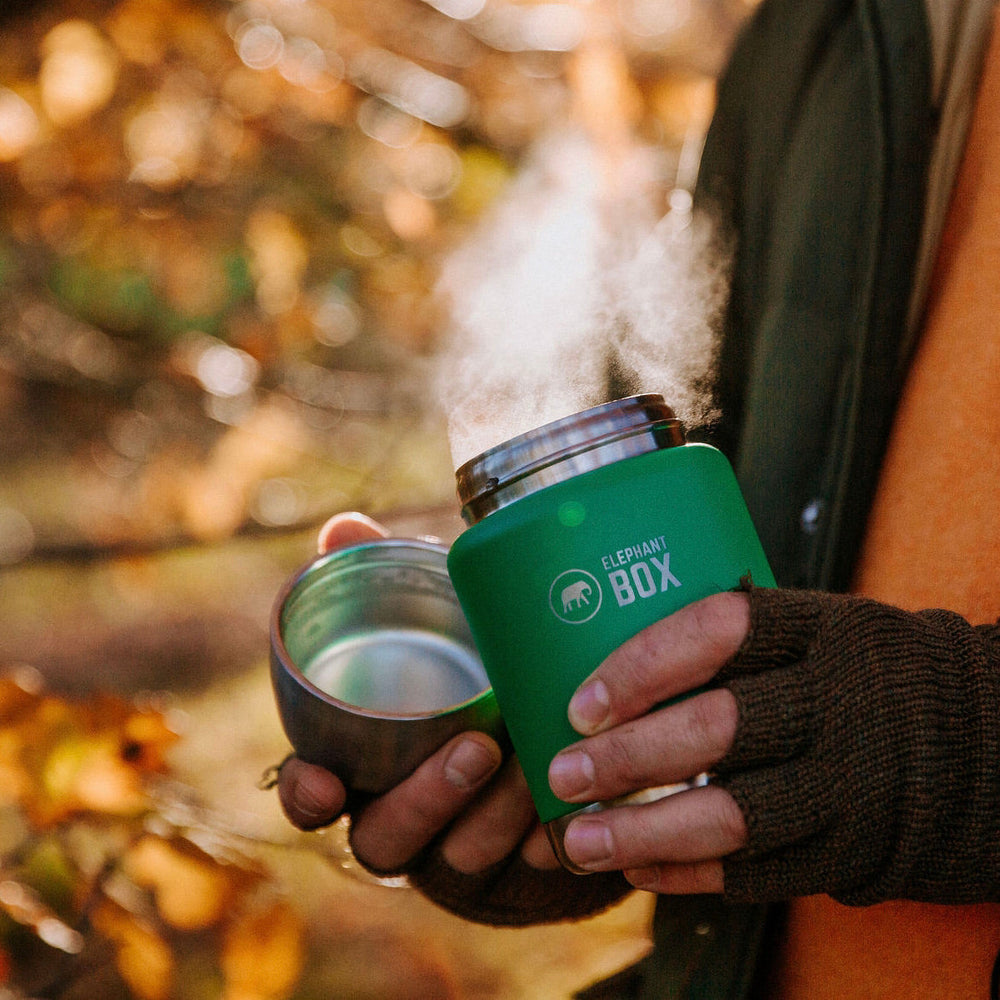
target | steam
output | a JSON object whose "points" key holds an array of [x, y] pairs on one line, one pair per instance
{"points": [[572, 290]]}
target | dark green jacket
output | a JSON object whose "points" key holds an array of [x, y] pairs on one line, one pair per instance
{"points": [[816, 161]]}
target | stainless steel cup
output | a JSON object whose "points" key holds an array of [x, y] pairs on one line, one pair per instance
{"points": [[372, 662]]}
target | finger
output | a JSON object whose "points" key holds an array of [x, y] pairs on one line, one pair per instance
{"points": [[666, 746], [537, 850], [347, 529], [703, 824], [679, 880], [397, 825], [667, 659], [310, 796], [494, 825]]}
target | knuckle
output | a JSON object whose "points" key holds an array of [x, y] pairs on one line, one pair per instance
{"points": [[706, 877], [731, 827], [471, 855], [635, 666], [620, 761], [425, 815], [390, 830], [718, 622], [648, 840], [711, 722]]}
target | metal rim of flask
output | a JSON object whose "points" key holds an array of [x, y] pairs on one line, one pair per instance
{"points": [[564, 448], [365, 573]]}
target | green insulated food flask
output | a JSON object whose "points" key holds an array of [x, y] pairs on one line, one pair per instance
{"points": [[580, 534]]}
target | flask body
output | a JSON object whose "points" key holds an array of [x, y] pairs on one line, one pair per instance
{"points": [[554, 581]]}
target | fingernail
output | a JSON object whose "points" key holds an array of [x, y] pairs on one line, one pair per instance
{"points": [[643, 878], [589, 707], [588, 842], [469, 763], [311, 798], [571, 774]]}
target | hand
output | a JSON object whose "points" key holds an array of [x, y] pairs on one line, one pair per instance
{"points": [[674, 845], [465, 788], [852, 742]]}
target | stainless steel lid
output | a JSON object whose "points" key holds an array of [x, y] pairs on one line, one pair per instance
{"points": [[565, 448]]}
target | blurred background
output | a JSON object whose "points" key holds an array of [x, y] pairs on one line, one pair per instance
{"points": [[221, 228]]}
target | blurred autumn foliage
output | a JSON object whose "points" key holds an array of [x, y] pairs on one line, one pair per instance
{"points": [[221, 227], [80, 851], [215, 258]]}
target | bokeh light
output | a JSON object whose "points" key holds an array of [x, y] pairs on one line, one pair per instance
{"points": [[78, 73], [19, 125]]}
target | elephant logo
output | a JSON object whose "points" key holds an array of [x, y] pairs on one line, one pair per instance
{"points": [[575, 596]]}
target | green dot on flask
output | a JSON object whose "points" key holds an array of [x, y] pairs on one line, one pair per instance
{"points": [[571, 513]]}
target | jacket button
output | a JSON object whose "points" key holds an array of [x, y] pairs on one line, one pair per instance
{"points": [[810, 517]]}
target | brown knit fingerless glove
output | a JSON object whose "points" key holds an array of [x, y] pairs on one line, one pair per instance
{"points": [[511, 893], [867, 756]]}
